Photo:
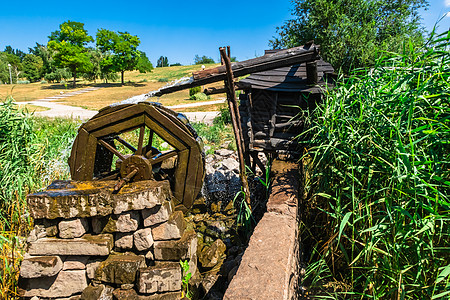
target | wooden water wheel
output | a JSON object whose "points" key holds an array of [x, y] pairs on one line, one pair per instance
{"points": [[119, 144]]}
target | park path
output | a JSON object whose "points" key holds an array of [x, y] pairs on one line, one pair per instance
{"points": [[57, 110]]}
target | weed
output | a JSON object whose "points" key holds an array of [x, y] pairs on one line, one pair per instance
{"points": [[185, 280]]}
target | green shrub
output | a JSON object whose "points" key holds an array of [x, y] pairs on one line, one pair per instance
{"points": [[199, 96], [194, 90], [163, 79], [44, 81], [379, 167], [23, 81], [224, 116]]}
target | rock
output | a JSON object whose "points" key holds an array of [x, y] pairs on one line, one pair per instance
{"points": [[177, 250], [208, 282], [127, 286], [200, 205], [91, 267], [210, 256], [75, 262], [232, 273], [73, 228], [125, 222], [36, 233], [150, 255], [99, 292], [65, 284], [163, 277], [119, 269], [81, 199], [123, 294], [172, 229], [98, 245], [157, 214], [143, 239], [124, 240], [40, 266], [230, 164], [224, 152], [221, 185]]}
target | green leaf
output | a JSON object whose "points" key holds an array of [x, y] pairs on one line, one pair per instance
{"points": [[343, 223], [444, 273]]}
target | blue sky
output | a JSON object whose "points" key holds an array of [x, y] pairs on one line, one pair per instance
{"points": [[176, 29]]}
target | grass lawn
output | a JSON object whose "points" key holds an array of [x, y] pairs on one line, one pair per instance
{"points": [[135, 84]]}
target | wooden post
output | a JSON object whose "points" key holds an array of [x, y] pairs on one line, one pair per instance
{"points": [[235, 118]]}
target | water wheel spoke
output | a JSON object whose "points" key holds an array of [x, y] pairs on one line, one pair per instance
{"points": [[125, 143], [150, 139], [141, 141], [163, 156], [112, 149]]}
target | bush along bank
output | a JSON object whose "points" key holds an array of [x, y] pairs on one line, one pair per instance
{"points": [[375, 223]]}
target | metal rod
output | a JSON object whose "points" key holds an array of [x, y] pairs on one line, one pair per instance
{"points": [[232, 103]]}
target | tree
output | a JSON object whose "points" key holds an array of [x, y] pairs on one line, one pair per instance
{"points": [[203, 60], [162, 62], [144, 65], [19, 53], [352, 32], [15, 66], [123, 48], [32, 66], [69, 46]]}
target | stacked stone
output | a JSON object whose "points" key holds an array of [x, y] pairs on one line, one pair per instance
{"points": [[91, 243]]}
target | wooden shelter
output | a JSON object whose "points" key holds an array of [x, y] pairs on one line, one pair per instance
{"points": [[274, 104]]}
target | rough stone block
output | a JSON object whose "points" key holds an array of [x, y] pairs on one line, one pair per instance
{"points": [[125, 222], [119, 269], [99, 292], [122, 294], [92, 266], [65, 284], [143, 239], [124, 240], [172, 229], [40, 266], [95, 245], [210, 256], [163, 277], [157, 214], [175, 250], [75, 262], [73, 228], [76, 199]]}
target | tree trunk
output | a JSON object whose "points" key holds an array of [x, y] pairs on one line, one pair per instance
{"points": [[74, 79], [122, 76]]}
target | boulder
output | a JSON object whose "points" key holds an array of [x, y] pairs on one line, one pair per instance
{"points": [[119, 269], [157, 214], [69, 229], [40, 266], [210, 256], [172, 229], [143, 239], [162, 277], [65, 284], [81, 199], [95, 245]]}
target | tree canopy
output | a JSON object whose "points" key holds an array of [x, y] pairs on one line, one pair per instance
{"points": [[351, 32], [123, 49], [203, 60], [162, 62], [69, 47]]}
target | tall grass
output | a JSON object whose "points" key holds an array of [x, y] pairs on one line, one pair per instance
{"points": [[33, 152], [377, 221]]}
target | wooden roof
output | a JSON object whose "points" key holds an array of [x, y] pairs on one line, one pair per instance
{"points": [[287, 79]]}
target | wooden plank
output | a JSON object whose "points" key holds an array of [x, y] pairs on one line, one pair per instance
{"points": [[180, 174], [280, 59], [77, 159], [191, 173], [119, 127], [110, 109], [114, 117], [164, 134]]}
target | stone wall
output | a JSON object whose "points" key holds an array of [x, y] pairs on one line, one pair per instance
{"points": [[89, 243], [270, 265]]}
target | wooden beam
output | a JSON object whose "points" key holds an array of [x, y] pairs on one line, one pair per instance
{"points": [[279, 59]]}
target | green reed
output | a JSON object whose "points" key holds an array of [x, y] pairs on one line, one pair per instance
{"points": [[379, 179]]}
